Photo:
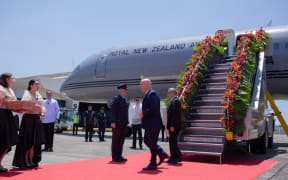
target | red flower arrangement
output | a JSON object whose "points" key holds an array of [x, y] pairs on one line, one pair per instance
{"points": [[237, 95], [188, 80]]}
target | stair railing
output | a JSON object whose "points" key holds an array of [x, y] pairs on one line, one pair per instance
{"points": [[255, 113]]}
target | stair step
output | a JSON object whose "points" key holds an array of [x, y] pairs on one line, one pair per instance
{"points": [[204, 123], [203, 98], [206, 96], [202, 138], [223, 64], [220, 69], [212, 90], [187, 152], [229, 60], [231, 57], [217, 74], [203, 131], [210, 95], [209, 102], [214, 85], [215, 79], [206, 116], [197, 146], [207, 109]]}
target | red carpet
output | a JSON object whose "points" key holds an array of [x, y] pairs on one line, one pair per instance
{"points": [[104, 169]]}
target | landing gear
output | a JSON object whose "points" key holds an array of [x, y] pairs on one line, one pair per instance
{"points": [[270, 142], [263, 143]]}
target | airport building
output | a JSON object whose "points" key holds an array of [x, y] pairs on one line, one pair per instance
{"points": [[48, 82]]}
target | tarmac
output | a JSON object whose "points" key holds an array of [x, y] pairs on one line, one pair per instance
{"points": [[68, 148]]}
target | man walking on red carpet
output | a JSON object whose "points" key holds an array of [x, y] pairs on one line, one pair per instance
{"points": [[152, 123]]}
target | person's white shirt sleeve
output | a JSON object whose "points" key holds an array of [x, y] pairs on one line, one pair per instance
{"points": [[57, 109]]}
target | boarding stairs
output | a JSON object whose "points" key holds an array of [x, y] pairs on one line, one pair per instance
{"points": [[204, 132]]}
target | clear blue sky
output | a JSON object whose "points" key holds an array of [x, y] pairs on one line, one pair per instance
{"points": [[43, 37]]}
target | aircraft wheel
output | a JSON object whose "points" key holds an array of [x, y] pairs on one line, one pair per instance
{"points": [[270, 142], [263, 143], [253, 146]]}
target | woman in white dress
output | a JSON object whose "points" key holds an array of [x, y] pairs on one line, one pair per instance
{"points": [[31, 137], [8, 132]]}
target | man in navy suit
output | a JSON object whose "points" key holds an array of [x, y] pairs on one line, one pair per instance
{"points": [[89, 122], [119, 122], [174, 125], [152, 123]]}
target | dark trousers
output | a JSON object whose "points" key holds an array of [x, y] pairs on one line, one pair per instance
{"points": [[174, 149], [118, 137], [101, 133], [163, 132], [75, 129], [88, 130], [137, 128], [150, 139], [49, 134]]}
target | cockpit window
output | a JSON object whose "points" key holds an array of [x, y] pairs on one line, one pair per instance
{"points": [[276, 46]]}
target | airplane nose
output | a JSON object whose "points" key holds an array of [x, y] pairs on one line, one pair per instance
{"points": [[65, 84], [82, 74]]}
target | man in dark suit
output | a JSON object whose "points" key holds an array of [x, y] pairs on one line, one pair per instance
{"points": [[119, 122], [101, 121], [89, 123], [152, 123], [174, 125]]}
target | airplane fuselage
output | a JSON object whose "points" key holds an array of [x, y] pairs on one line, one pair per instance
{"points": [[96, 78]]}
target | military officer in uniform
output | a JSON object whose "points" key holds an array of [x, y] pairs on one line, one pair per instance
{"points": [[101, 121], [119, 122]]}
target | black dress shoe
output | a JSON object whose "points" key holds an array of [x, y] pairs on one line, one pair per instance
{"points": [[133, 147], [179, 159], [116, 160], [86, 140], [35, 165], [172, 161], [150, 167], [23, 168], [3, 169], [29, 167], [90, 140], [123, 159], [162, 158]]}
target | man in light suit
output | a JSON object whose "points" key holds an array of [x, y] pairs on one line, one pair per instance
{"points": [[174, 125], [152, 123]]}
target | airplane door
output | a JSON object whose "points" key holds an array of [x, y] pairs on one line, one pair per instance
{"points": [[100, 68]]}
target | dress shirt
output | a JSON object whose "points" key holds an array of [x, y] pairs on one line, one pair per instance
{"points": [[136, 110], [52, 110]]}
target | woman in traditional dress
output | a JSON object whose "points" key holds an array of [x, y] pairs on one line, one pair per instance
{"points": [[8, 133], [31, 137]]}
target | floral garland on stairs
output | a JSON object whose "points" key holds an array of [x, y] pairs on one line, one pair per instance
{"points": [[188, 81], [237, 97]]}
